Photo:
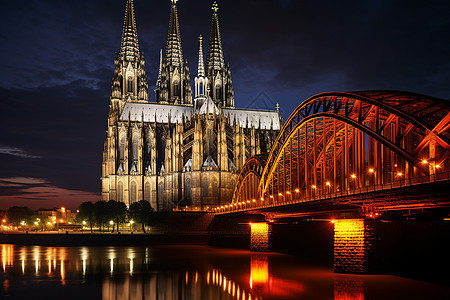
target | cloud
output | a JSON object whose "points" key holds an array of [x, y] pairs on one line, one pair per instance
{"points": [[39, 193], [16, 152]]}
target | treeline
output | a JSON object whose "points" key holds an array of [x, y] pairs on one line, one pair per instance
{"points": [[101, 214], [113, 213]]}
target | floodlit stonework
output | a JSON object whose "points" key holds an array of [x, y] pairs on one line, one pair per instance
{"points": [[183, 150]]}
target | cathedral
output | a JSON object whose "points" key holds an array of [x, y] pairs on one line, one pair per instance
{"points": [[185, 149]]}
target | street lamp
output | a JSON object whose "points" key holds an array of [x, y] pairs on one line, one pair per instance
{"points": [[131, 224], [329, 187]]}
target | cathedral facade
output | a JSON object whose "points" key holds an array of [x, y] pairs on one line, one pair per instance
{"points": [[186, 148]]}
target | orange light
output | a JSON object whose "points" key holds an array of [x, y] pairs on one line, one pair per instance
{"points": [[271, 196], [424, 161], [248, 201], [399, 174], [254, 200], [353, 176], [297, 190], [313, 186], [371, 170], [328, 183], [438, 166], [280, 194], [288, 192], [63, 209], [262, 199]]}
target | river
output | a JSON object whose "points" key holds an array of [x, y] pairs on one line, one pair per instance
{"points": [[187, 272]]}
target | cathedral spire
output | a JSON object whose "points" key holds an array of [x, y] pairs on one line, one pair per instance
{"points": [[130, 43], [174, 54], [201, 82], [215, 59], [201, 66]]}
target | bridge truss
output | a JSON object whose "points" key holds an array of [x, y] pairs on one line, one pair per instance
{"points": [[336, 143]]}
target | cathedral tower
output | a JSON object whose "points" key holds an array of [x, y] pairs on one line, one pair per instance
{"points": [[219, 74], [174, 84]]}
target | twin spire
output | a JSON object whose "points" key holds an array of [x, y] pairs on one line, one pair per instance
{"points": [[173, 83], [130, 43], [215, 59], [174, 54]]}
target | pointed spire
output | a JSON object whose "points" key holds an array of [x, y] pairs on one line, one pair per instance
{"points": [[158, 82], [130, 43], [201, 66], [215, 59], [174, 53]]}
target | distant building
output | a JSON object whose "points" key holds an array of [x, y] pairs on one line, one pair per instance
{"points": [[57, 216], [185, 149]]}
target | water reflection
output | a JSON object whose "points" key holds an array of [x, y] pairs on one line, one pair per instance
{"points": [[182, 273]]}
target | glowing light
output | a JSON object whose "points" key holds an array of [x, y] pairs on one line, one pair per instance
{"points": [[280, 194], [328, 183], [248, 201], [349, 245], [271, 196], [111, 222], [424, 161], [288, 192], [84, 222], [262, 199], [63, 209], [371, 171], [353, 176], [259, 237], [314, 187], [399, 174], [297, 190], [259, 270], [438, 166]]}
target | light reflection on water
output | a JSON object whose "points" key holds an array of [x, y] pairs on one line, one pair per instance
{"points": [[184, 272]]}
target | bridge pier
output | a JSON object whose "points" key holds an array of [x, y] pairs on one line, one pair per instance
{"points": [[259, 237], [353, 241]]}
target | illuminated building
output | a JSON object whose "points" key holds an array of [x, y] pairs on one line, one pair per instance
{"points": [[184, 149]]}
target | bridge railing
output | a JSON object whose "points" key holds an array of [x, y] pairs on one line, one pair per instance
{"points": [[295, 197]]}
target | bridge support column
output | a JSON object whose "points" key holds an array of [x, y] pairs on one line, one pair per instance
{"points": [[259, 237], [352, 244]]}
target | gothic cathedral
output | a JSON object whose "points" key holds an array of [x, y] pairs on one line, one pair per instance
{"points": [[184, 150]]}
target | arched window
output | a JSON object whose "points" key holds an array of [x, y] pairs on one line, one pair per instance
{"points": [[133, 192], [161, 195], [176, 88], [120, 192], [218, 92], [130, 84], [122, 147], [201, 88], [135, 148], [147, 192]]}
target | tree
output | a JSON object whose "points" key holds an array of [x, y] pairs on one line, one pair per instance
{"points": [[101, 213], [87, 212], [117, 211], [141, 212], [19, 214]]}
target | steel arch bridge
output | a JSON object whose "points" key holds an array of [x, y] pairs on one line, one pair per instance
{"points": [[339, 142]]}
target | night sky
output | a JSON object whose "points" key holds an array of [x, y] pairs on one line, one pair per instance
{"points": [[57, 61]]}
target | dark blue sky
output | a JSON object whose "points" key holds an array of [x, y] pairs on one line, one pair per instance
{"points": [[57, 65]]}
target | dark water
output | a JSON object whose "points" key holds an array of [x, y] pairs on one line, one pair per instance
{"points": [[186, 272]]}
